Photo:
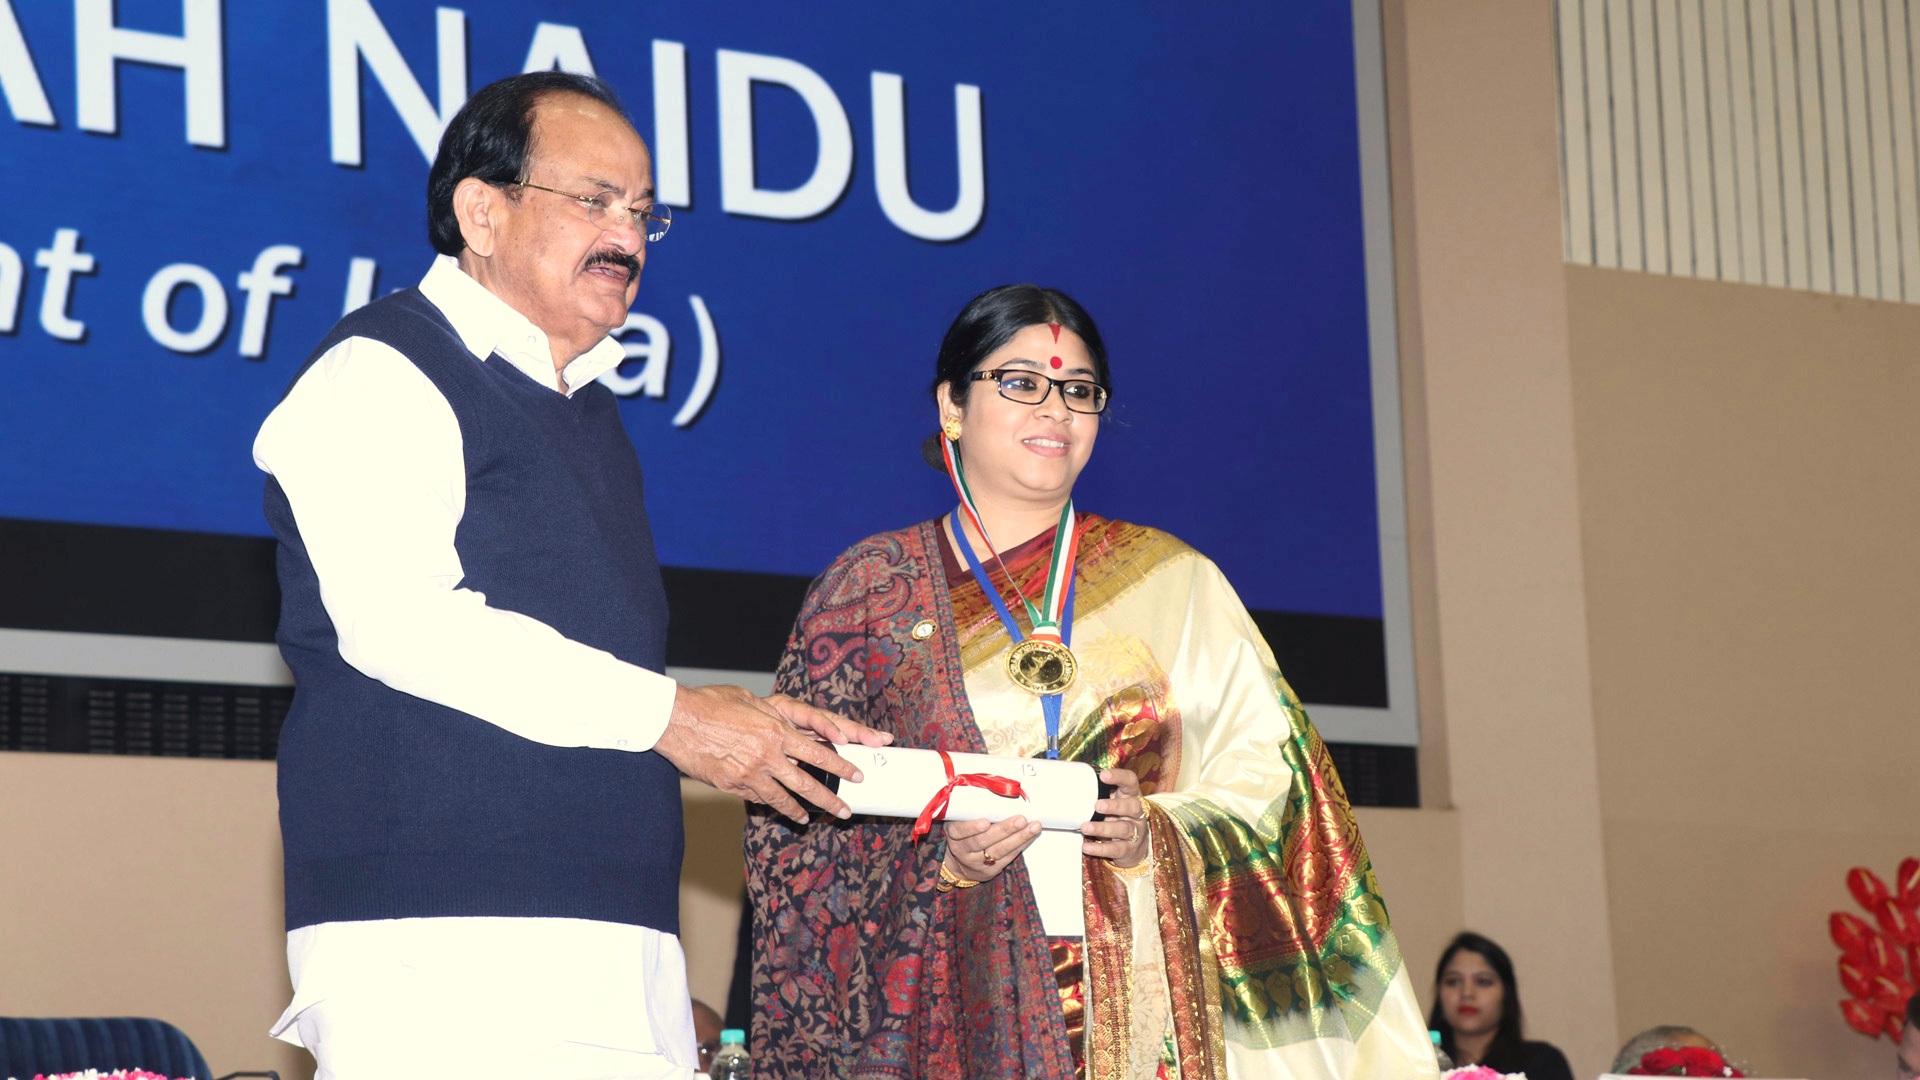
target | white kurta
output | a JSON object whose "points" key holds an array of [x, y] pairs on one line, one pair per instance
{"points": [[369, 454]]}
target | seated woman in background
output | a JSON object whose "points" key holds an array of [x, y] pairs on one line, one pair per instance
{"points": [[1228, 923], [1476, 1010]]}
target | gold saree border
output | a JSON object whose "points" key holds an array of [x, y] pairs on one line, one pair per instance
{"points": [[1114, 558], [1193, 983], [1109, 974]]}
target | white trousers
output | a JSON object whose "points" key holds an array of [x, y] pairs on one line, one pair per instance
{"points": [[479, 999]]}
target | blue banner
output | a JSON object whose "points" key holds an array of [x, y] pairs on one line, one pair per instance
{"points": [[195, 191]]}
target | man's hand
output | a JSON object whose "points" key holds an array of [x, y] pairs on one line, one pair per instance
{"points": [[753, 747]]}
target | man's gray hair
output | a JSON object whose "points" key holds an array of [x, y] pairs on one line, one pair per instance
{"points": [[1654, 1038]]}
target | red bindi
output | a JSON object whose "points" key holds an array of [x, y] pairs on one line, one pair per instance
{"points": [[1054, 362]]}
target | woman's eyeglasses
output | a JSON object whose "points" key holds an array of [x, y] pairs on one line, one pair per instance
{"points": [[1032, 388]]}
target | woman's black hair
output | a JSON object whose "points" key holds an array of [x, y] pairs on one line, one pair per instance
{"points": [[989, 321], [1508, 1034], [489, 139]]}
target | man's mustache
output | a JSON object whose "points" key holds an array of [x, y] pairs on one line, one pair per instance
{"points": [[616, 258]]}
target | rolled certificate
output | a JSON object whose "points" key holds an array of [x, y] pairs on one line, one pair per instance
{"points": [[901, 783]]}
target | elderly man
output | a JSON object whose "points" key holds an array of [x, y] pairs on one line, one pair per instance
{"points": [[1661, 1037], [479, 777]]}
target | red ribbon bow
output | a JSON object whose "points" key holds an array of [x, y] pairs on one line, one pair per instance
{"points": [[1003, 786]]}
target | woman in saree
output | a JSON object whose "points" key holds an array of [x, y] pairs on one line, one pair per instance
{"points": [[1227, 921]]}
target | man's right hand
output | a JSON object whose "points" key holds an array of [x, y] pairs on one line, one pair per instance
{"points": [[753, 747]]}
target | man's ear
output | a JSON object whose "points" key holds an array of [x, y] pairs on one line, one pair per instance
{"points": [[476, 204]]}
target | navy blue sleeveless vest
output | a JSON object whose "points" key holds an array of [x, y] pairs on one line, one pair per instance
{"points": [[394, 807]]}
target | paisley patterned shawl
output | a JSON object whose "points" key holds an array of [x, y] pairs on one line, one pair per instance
{"points": [[1280, 960], [860, 969]]}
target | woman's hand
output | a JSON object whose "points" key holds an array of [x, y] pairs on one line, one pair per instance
{"points": [[1122, 837], [979, 850]]}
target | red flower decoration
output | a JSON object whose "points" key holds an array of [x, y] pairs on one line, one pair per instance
{"points": [[1863, 1017], [1867, 888], [1886, 959], [1907, 922], [1849, 933], [1686, 1061], [1907, 882], [1879, 967], [1888, 918], [1891, 994], [1857, 981]]}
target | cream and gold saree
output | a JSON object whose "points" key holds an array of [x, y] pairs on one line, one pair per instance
{"points": [[1253, 943]]}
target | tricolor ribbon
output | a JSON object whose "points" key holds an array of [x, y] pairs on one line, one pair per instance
{"points": [[1004, 786], [1046, 619]]}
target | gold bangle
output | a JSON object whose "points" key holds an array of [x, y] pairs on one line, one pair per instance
{"points": [[950, 881]]}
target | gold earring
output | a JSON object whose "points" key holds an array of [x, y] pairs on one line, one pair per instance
{"points": [[951, 428]]}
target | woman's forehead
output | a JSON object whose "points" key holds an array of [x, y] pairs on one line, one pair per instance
{"points": [[1468, 961], [1039, 346]]}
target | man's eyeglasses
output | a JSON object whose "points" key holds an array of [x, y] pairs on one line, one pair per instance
{"points": [[608, 212], [1032, 388]]}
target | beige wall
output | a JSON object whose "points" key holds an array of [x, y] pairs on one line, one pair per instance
{"points": [[710, 886], [1750, 481], [1416, 854], [146, 887], [1501, 627]]}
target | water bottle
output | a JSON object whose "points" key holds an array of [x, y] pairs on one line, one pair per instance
{"points": [[731, 1062], [1439, 1054]]}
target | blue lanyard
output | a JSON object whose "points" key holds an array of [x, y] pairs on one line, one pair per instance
{"points": [[1049, 703]]}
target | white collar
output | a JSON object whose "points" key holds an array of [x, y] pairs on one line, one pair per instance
{"points": [[488, 325]]}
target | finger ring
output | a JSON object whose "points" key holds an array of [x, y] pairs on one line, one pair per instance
{"points": [[987, 858], [1133, 835]]}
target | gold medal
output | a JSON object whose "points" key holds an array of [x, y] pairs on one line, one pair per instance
{"points": [[1039, 666]]}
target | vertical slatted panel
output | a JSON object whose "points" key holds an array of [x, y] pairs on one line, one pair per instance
{"points": [[1793, 182], [1626, 132], [1873, 44], [1769, 232], [1907, 199], [1576, 186], [1866, 254], [1833, 107], [1774, 142], [1673, 142], [1912, 49], [1706, 239], [1813, 141], [1745, 161], [1653, 179], [1725, 168], [1606, 208]]}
